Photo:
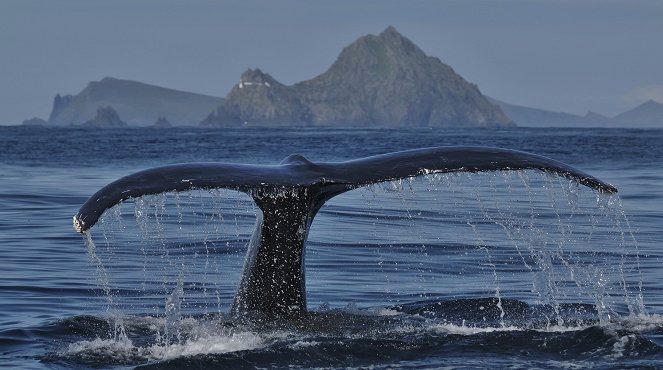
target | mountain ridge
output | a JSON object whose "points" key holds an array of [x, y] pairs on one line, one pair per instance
{"points": [[138, 103], [645, 115], [648, 114], [382, 80], [378, 80]]}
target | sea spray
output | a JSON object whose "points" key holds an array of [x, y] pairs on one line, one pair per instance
{"points": [[193, 238], [549, 224], [101, 273], [114, 316], [441, 236]]}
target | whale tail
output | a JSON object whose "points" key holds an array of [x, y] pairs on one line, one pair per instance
{"points": [[290, 194]]}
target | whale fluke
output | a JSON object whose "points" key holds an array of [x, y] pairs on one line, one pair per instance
{"points": [[290, 194]]}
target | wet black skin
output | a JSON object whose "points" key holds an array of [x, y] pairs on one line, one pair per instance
{"points": [[290, 194]]}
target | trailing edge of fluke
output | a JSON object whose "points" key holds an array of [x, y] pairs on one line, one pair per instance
{"points": [[289, 196], [297, 171]]}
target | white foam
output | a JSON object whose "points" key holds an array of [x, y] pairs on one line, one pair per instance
{"points": [[449, 328], [107, 345], [622, 345], [387, 312], [470, 330], [118, 349], [124, 348], [208, 345], [303, 344], [638, 323]]}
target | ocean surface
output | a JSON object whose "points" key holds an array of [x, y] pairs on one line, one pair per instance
{"points": [[516, 269]]}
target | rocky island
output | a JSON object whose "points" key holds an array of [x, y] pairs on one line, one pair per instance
{"points": [[35, 121], [383, 80], [106, 117], [138, 103], [162, 122]]}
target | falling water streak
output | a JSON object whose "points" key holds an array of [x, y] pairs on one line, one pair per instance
{"points": [[400, 190], [372, 208], [119, 332], [158, 202], [560, 242], [538, 250], [607, 204], [640, 300], [537, 247], [172, 311], [205, 241], [572, 193], [593, 277], [419, 231], [394, 187], [525, 233], [371, 205], [218, 211], [625, 286], [159, 205], [564, 226], [178, 205], [102, 274], [151, 223], [507, 219], [530, 198], [528, 232], [433, 185], [111, 219], [406, 204], [567, 236], [104, 226], [552, 291], [142, 214], [193, 235], [622, 271], [460, 197], [140, 217], [564, 238], [482, 246], [613, 208]]}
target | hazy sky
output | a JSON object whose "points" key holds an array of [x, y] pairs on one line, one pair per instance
{"points": [[605, 56]]}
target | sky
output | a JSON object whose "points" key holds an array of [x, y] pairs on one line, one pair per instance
{"points": [[573, 56]]}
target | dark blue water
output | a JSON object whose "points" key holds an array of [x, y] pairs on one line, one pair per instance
{"points": [[504, 269]]}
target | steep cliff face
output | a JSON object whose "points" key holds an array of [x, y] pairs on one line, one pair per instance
{"points": [[60, 105], [383, 80], [139, 104], [259, 98]]}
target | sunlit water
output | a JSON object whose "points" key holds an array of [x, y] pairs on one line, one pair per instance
{"points": [[463, 270]]}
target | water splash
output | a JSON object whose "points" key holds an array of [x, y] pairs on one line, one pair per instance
{"points": [[504, 235], [193, 240], [101, 272], [552, 227]]}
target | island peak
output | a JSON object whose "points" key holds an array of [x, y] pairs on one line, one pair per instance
{"points": [[383, 80]]}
